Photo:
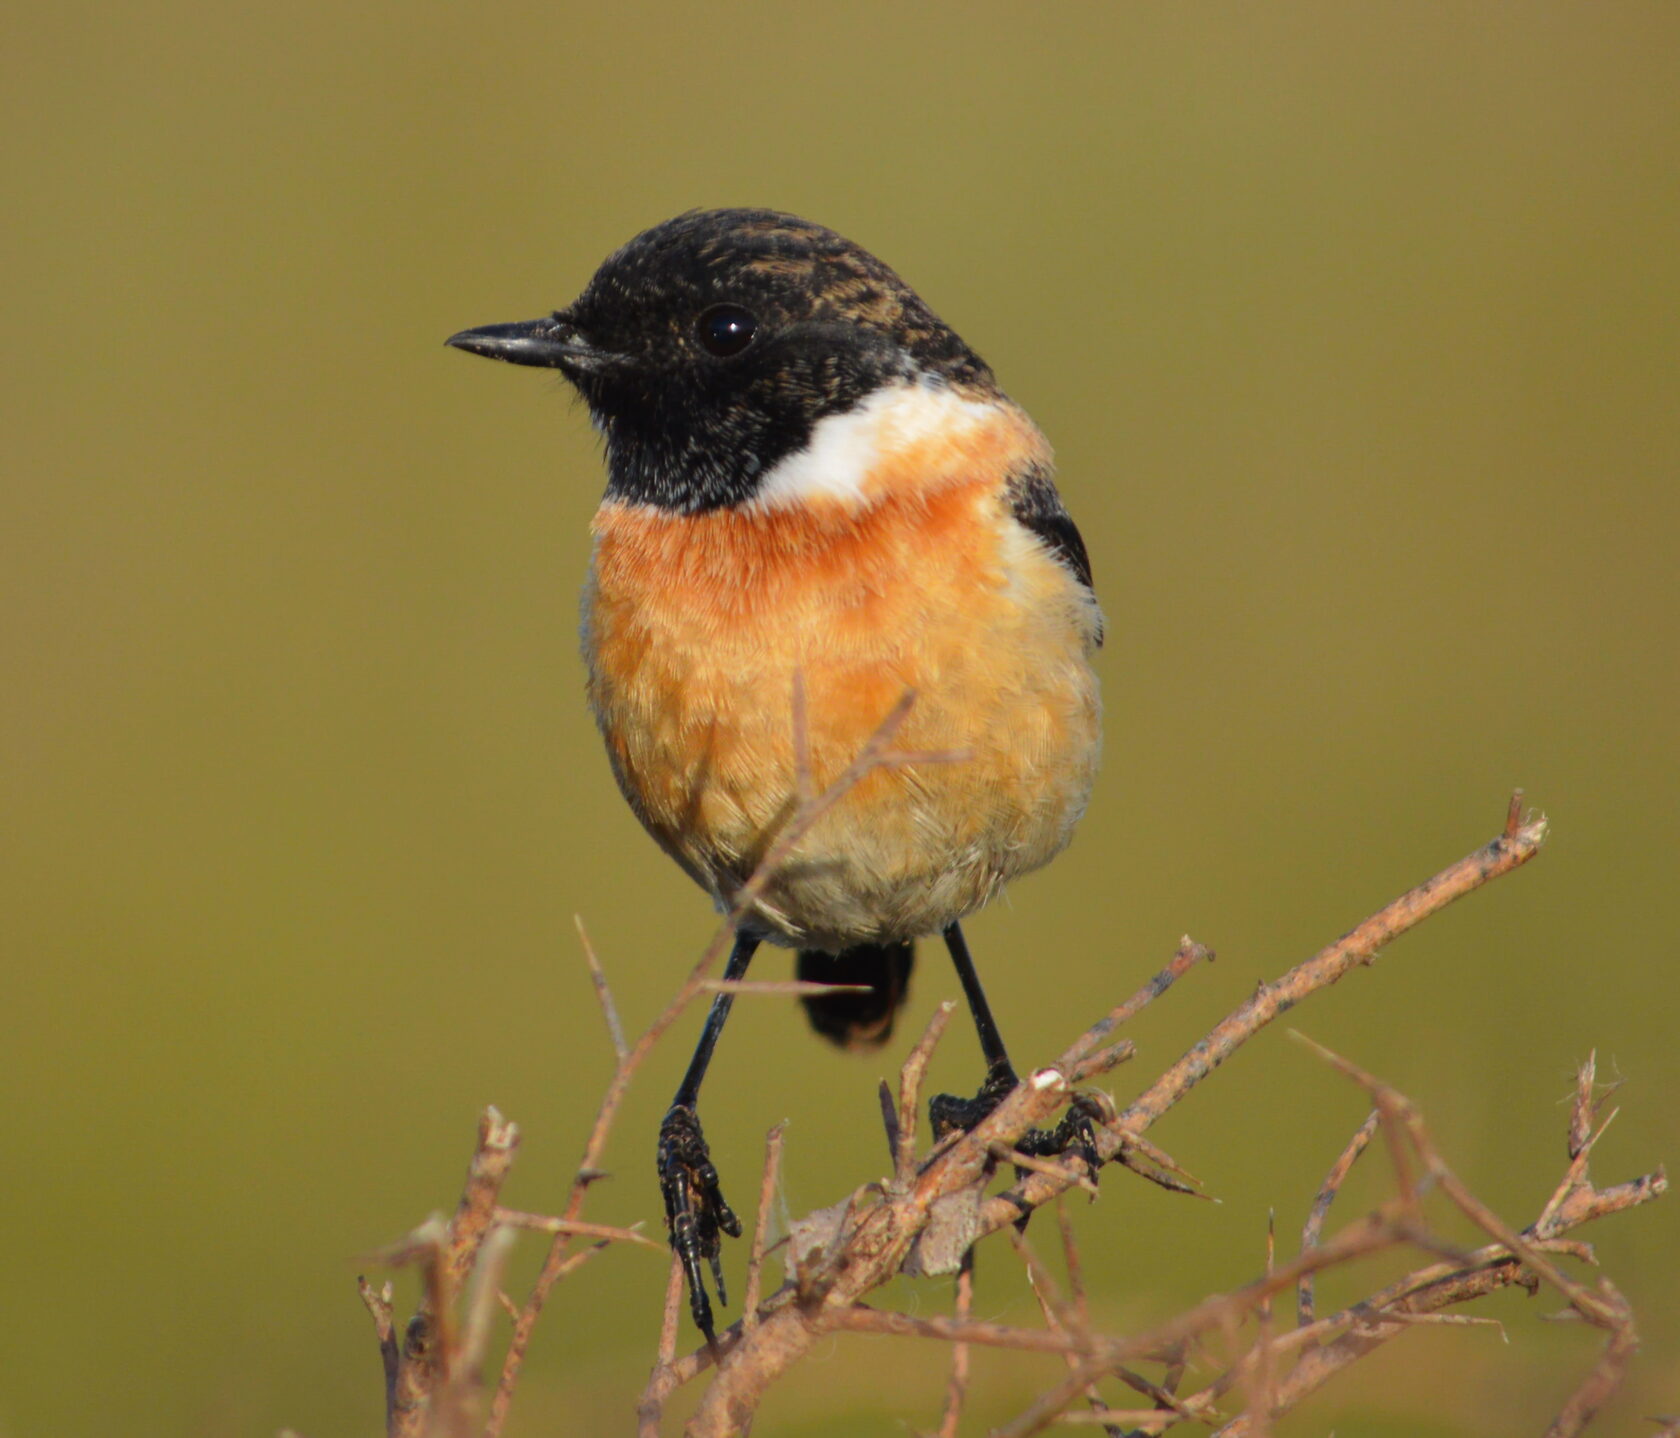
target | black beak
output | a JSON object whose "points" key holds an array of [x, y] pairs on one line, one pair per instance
{"points": [[551, 342]]}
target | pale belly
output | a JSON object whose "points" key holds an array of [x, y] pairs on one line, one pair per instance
{"points": [[692, 684]]}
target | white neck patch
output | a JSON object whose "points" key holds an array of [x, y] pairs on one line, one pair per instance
{"points": [[845, 450]]}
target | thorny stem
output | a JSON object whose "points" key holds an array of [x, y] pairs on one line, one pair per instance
{"points": [[1279, 1369]]}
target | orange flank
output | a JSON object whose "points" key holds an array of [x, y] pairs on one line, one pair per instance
{"points": [[695, 625]]}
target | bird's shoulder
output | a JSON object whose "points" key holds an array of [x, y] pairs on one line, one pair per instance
{"points": [[1033, 500]]}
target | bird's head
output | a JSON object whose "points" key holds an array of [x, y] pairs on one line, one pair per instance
{"points": [[710, 347]]}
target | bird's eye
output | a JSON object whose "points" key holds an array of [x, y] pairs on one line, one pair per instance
{"points": [[725, 330]]}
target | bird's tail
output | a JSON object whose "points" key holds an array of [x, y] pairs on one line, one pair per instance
{"points": [[858, 1021]]}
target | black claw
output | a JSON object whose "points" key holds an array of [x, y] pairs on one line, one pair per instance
{"points": [[1076, 1134], [717, 1278], [949, 1114], [695, 1210]]}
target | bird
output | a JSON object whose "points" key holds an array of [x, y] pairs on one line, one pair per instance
{"points": [[820, 501]]}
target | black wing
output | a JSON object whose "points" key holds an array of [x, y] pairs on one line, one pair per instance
{"points": [[1032, 499]]}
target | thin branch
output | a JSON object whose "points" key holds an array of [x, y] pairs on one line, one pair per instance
{"points": [[483, 1290], [1591, 1307], [379, 1304], [1066, 1173], [1262, 1397], [498, 1142], [542, 1223], [889, 1120], [603, 993], [956, 1388], [1058, 1317], [1359, 946], [1320, 1210], [861, 1318], [779, 988], [910, 1078], [1188, 955], [761, 1225], [427, 1361], [1581, 1112], [660, 1382]]}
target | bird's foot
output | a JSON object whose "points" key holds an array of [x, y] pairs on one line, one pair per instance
{"points": [[1087, 1115], [1076, 1134], [695, 1211], [950, 1114]]}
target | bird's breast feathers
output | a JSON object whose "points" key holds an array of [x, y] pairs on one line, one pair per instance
{"points": [[883, 557]]}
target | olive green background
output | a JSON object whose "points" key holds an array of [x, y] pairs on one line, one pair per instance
{"points": [[1356, 331]]}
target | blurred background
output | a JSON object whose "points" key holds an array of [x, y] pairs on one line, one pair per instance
{"points": [[1356, 331]]}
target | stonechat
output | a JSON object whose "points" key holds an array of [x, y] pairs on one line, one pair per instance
{"points": [[813, 482]]}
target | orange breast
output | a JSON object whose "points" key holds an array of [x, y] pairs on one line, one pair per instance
{"points": [[695, 627]]}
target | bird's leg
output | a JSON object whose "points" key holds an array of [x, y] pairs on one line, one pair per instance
{"points": [[949, 1113], [695, 1211], [1076, 1133]]}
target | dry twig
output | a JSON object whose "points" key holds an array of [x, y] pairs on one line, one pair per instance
{"points": [[1327, 1192], [928, 1215], [956, 1390]]}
